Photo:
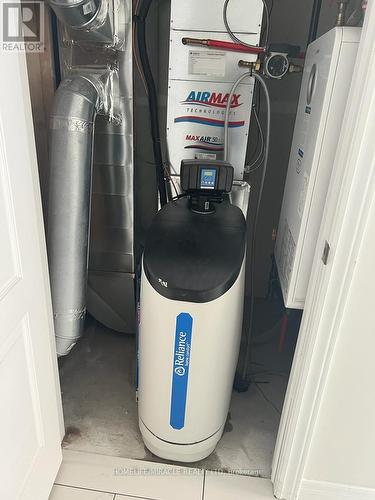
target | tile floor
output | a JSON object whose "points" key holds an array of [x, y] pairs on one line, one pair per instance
{"points": [[100, 410], [85, 476]]}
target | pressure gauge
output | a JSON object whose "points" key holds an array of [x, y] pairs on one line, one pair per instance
{"points": [[276, 65]]}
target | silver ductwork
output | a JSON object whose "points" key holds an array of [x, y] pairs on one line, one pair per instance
{"points": [[80, 14], [77, 101], [86, 20], [87, 46]]}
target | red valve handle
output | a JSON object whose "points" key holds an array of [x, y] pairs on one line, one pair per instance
{"points": [[219, 44]]}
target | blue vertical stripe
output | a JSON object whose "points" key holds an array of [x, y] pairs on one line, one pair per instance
{"points": [[181, 364]]}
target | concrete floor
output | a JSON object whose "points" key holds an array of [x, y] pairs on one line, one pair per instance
{"points": [[100, 409]]}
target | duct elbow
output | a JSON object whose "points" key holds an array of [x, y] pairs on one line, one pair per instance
{"points": [[78, 96], [76, 104], [80, 14]]}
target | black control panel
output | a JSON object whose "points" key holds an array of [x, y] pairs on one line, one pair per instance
{"points": [[206, 183], [206, 175]]}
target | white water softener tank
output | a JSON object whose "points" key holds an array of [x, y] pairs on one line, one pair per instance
{"points": [[192, 294]]}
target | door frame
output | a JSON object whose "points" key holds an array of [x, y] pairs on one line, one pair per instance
{"points": [[351, 191], [28, 349]]}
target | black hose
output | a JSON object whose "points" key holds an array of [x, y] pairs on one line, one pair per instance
{"points": [[314, 22], [140, 20]]}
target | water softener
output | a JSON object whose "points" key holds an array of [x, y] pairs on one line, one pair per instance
{"points": [[192, 293]]}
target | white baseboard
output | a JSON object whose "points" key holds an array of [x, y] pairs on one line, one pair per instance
{"points": [[321, 490]]}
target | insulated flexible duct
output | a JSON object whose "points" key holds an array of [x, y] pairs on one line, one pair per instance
{"points": [[77, 101]]}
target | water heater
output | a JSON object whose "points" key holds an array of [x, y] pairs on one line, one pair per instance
{"points": [[329, 66], [191, 312]]}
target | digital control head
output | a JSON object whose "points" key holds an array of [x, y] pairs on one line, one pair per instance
{"points": [[206, 182]]}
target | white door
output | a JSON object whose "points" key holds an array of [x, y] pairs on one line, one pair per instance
{"points": [[30, 405]]}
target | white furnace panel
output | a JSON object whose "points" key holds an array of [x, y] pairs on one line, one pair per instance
{"points": [[244, 16], [201, 63], [201, 78], [196, 122]]}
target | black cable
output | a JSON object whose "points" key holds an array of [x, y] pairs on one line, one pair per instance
{"points": [[254, 154], [270, 9], [242, 380], [314, 22], [179, 196], [140, 20], [55, 48]]}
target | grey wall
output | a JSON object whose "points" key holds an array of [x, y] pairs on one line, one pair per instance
{"points": [[40, 67]]}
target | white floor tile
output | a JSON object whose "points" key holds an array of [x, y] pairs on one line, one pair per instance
{"points": [[130, 477], [231, 487], [66, 493], [122, 497], [101, 413]]}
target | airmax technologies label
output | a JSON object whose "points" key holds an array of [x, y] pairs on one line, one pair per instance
{"points": [[215, 99], [181, 364]]}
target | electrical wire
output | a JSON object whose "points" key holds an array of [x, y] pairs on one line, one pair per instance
{"points": [[255, 225], [260, 80], [172, 169], [261, 152], [179, 196], [233, 36], [171, 180], [254, 153], [257, 167], [270, 9]]}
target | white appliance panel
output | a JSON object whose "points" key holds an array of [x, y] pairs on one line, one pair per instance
{"points": [[244, 16], [196, 129], [200, 78], [325, 86], [204, 63]]}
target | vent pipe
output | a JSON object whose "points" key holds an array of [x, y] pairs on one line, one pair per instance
{"points": [[77, 101], [341, 13], [85, 15]]}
